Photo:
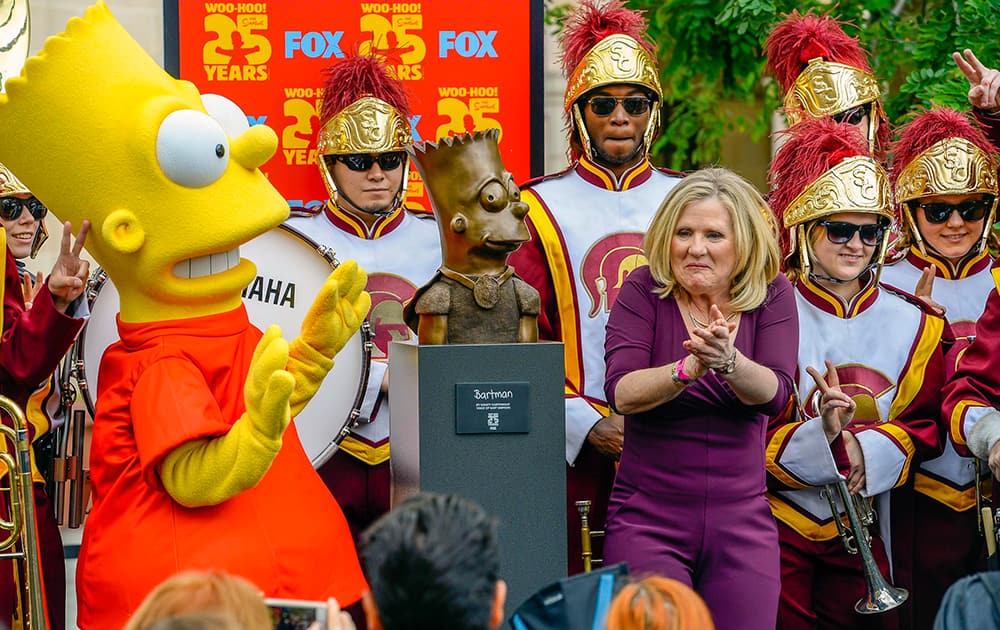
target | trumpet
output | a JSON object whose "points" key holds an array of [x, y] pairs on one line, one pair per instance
{"points": [[21, 524], [880, 596], [866, 516]]}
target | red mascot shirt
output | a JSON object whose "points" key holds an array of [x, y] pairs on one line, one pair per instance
{"points": [[164, 384]]}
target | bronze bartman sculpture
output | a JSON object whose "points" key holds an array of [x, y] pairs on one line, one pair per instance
{"points": [[475, 296]]}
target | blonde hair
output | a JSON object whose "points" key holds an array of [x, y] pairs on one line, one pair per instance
{"points": [[658, 603], [199, 621], [755, 236], [203, 591]]}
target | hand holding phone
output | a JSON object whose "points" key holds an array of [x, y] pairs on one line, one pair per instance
{"points": [[296, 614], [336, 619], [293, 614]]}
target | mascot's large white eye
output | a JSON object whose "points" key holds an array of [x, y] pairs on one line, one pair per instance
{"points": [[234, 122], [192, 148]]}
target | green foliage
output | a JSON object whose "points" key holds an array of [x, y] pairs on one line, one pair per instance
{"points": [[712, 56]]}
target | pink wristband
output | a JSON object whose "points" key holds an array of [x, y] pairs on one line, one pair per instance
{"points": [[679, 375]]}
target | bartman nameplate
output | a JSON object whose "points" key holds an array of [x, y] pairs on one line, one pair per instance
{"points": [[492, 408]]}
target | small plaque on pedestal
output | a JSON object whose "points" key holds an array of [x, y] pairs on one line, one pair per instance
{"points": [[492, 408]]}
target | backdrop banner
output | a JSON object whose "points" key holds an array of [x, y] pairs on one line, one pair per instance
{"points": [[466, 65]]}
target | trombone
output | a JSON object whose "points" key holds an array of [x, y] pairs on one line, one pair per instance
{"points": [[587, 536], [21, 523]]}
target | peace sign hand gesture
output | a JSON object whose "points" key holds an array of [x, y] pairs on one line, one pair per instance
{"points": [[69, 275], [836, 407], [984, 83], [924, 288]]}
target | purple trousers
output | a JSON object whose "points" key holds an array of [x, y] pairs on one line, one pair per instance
{"points": [[725, 549]]}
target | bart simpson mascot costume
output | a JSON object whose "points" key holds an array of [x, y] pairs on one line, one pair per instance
{"points": [[195, 460]]}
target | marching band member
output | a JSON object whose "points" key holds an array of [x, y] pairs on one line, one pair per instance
{"points": [[34, 341], [876, 362], [366, 219], [587, 224], [945, 175], [825, 73]]}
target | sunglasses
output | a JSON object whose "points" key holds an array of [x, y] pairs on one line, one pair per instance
{"points": [[10, 208], [939, 212], [604, 105], [840, 232], [852, 116], [361, 162]]}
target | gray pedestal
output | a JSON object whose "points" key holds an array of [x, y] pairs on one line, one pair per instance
{"points": [[518, 477]]}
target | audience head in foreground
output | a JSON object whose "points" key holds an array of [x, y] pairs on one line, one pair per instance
{"points": [[433, 562], [658, 603], [191, 592], [198, 621]]}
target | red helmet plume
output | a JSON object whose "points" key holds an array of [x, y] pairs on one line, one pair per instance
{"points": [[800, 38], [931, 127], [811, 148], [591, 23], [357, 76]]}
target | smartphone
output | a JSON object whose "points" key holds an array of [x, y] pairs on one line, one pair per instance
{"points": [[296, 614]]}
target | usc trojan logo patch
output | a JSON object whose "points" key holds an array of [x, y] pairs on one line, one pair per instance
{"points": [[865, 386], [388, 293], [606, 266]]}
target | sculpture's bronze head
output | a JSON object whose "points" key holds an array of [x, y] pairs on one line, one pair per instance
{"points": [[477, 204]]}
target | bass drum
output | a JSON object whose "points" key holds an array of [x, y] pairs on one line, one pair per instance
{"points": [[291, 268]]}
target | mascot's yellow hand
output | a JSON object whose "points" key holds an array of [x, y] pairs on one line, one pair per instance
{"points": [[335, 315], [269, 387], [338, 310], [210, 471]]}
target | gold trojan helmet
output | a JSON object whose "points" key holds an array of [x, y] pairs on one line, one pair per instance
{"points": [[607, 45], [943, 152], [365, 110], [823, 169], [10, 184], [823, 72]]}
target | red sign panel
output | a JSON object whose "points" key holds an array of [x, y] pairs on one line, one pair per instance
{"points": [[466, 65]]}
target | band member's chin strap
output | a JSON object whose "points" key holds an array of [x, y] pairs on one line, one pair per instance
{"points": [[815, 276]]}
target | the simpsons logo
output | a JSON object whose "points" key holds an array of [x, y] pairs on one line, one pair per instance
{"points": [[394, 37], [388, 293], [301, 107], [236, 49], [865, 386], [607, 264]]}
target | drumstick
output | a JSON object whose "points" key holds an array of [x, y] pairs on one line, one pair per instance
{"points": [[991, 541]]}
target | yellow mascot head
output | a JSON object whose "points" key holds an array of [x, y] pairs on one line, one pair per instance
{"points": [[168, 177]]}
